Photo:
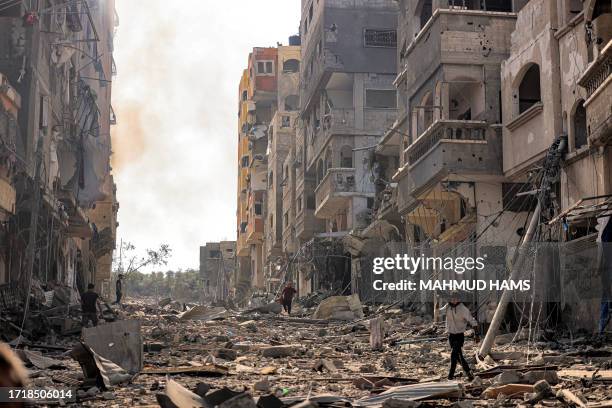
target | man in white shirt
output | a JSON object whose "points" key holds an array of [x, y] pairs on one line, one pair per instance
{"points": [[458, 316]]}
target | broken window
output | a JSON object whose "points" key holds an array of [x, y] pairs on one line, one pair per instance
{"points": [[243, 227], [498, 5], [244, 161], [529, 89], [291, 66], [424, 12], [311, 203], [285, 121], [346, 157], [381, 99], [245, 95], [258, 208], [580, 126], [214, 254], [380, 38]]}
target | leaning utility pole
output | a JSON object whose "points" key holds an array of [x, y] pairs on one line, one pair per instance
{"points": [[551, 169]]}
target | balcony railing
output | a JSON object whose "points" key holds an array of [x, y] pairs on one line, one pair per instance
{"points": [[339, 120], [336, 187], [444, 130], [597, 80], [8, 129]]}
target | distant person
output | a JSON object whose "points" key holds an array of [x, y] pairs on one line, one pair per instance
{"points": [[118, 290], [89, 306], [458, 316], [287, 297]]}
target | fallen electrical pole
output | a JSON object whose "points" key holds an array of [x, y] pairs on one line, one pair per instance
{"points": [[551, 168]]}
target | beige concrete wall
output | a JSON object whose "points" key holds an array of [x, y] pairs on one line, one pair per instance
{"points": [[533, 42]]}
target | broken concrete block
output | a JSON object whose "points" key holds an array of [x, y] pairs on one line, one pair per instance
{"points": [[324, 364], [389, 363], [262, 386], [542, 387], [340, 308], [508, 377], [532, 377], [225, 354], [507, 389], [279, 351], [243, 400]]}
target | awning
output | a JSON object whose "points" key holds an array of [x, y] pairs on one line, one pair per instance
{"points": [[589, 207]]}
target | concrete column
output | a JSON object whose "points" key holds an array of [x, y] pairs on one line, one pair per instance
{"points": [[445, 100], [359, 100]]}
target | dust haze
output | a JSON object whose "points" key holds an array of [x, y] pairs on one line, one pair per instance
{"points": [[175, 96]]}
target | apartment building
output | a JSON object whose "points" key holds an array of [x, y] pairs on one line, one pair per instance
{"points": [[258, 98], [347, 100], [278, 228], [556, 84], [58, 59]]}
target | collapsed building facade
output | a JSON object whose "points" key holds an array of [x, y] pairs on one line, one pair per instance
{"points": [[217, 263], [59, 206], [423, 128]]}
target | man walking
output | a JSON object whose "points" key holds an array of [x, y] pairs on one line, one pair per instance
{"points": [[287, 297], [89, 303], [118, 290], [458, 316]]}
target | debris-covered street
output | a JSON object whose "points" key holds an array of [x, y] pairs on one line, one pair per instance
{"points": [[306, 203], [211, 356]]}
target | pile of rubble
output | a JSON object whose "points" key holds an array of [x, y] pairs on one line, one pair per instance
{"points": [[174, 355]]}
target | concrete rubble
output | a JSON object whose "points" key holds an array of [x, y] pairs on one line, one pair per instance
{"points": [[251, 358]]}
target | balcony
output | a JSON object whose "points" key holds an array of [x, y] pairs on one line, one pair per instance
{"points": [[450, 37], [336, 188], [452, 147], [306, 224], [242, 248], [597, 80], [254, 232]]}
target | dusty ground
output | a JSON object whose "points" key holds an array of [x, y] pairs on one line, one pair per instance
{"points": [[334, 357]]}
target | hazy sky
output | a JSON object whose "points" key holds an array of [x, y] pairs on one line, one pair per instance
{"points": [[176, 100]]}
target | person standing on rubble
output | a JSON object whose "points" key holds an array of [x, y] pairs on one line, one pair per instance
{"points": [[458, 316], [118, 290], [89, 306], [287, 297]]}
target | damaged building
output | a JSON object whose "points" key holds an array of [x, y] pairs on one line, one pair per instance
{"points": [[217, 269], [423, 127], [58, 198]]}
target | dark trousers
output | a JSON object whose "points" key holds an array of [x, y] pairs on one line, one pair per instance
{"points": [[118, 301], [456, 342], [87, 317], [604, 315], [287, 305]]}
